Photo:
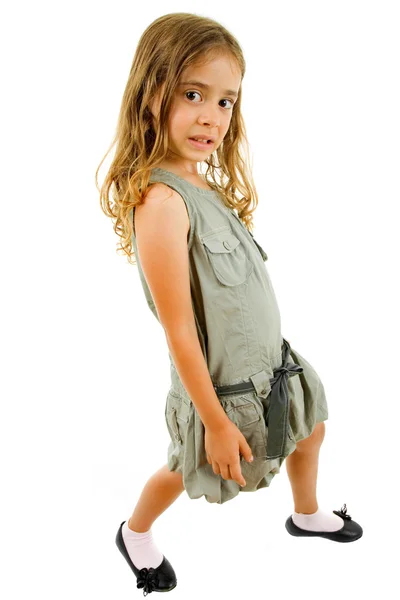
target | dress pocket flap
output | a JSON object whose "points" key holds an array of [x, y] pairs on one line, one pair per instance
{"points": [[226, 243], [241, 410]]}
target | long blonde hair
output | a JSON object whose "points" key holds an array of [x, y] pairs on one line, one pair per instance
{"points": [[167, 47]]}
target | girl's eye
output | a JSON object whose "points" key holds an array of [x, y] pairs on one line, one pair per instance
{"points": [[224, 100]]}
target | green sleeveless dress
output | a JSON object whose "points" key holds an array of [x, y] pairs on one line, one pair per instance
{"points": [[239, 328]]}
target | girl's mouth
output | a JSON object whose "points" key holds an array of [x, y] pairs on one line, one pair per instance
{"points": [[201, 145]]}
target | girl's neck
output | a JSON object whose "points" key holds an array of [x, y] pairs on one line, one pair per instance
{"points": [[193, 178]]}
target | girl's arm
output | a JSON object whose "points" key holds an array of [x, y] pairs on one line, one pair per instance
{"points": [[162, 226]]}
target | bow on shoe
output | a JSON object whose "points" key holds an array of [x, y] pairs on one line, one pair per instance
{"points": [[342, 513], [147, 579]]}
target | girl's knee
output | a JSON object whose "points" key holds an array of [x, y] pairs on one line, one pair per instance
{"points": [[320, 430], [314, 440], [175, 476]]}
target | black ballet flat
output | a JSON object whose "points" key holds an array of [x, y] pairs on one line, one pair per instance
{"points": [[350, 532], [160, 579]]}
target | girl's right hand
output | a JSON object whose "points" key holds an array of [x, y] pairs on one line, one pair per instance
{"points": [[223, 447]]}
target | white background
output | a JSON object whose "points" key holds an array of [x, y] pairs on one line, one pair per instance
{"points": [[85, 363]]}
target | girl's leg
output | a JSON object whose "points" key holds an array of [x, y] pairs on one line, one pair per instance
{"points": [[160, 491], [302, 469]]}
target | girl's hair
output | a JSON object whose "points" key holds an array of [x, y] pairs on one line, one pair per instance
{"points": [[167, 47]]}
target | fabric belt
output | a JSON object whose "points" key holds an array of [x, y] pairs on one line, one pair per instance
{"points": [[276, 412]]}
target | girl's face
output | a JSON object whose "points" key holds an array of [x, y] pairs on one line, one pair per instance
{"points": [[201, 110]]}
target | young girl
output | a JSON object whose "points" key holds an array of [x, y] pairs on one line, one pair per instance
{"points": [[241, 399]]}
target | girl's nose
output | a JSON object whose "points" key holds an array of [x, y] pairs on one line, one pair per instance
{"points": [[210, 120]]}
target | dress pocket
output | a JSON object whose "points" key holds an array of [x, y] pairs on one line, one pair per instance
{"points": [[227, 257], [177, 417], [247, 417]]}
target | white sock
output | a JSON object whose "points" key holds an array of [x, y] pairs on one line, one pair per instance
{"points": [[318, 521], [141, 548]]}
